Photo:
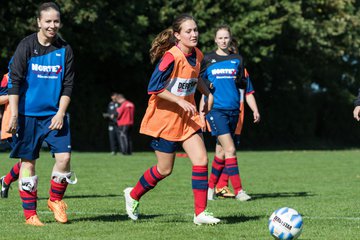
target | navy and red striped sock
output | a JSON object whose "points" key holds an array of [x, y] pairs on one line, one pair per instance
{"points": [[216, 169], [223, 180], [57, 190], [147, 182], [199, 186], [13, 175], [234, 175], [29, 203]]}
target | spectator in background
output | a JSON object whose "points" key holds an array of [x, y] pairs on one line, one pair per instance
{"points": [[111, 116], [125, 122]]}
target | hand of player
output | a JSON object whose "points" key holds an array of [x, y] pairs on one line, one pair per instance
{"points": [[57, 122], [12, 125], [256, 117], [203, 122], [356, 113], [209, 102], [188, 107]]}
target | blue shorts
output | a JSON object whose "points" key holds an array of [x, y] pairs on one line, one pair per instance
{"points": [[222, 121], [31, 133], [166, 146]]}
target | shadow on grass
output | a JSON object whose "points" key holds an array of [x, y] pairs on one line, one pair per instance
{"points": [[86, 196], [238, 219], [280, 195], [112, 218]]}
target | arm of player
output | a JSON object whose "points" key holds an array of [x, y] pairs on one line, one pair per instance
{"points": [[250, 99], [4, 99], [208, 104], [187, 106], [57, 121], [202, 113], [14, 108]]}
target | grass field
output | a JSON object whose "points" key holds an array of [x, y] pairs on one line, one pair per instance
{"points": [[324, 186]]}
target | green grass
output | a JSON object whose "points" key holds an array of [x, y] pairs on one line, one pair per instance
{"points": [[324, 186]]}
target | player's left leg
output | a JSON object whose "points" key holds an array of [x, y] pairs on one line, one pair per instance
{"points": [[9, 178], [231, 166], [60, 178], [195, 148], [221, 188], [60, 146]]}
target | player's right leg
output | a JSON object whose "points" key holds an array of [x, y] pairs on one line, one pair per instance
{"points": [[165, 153], [28, 192]]}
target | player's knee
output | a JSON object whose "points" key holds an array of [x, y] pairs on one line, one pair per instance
{"points": [[29, 184], [67, 177], [165, 171], [230, 151], [201, 161], [63, 161]]}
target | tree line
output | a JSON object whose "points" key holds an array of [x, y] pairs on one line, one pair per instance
{"points": [[303, 59]]}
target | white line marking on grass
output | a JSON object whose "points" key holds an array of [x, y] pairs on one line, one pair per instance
{"points": [[334, 218], [116, 213]]}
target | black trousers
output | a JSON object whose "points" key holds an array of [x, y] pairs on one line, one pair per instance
{"points": [[113, 138], [124, 133]]}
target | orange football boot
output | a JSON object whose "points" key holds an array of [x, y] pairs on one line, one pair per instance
{"points": [[34, 221], [59, 210]]}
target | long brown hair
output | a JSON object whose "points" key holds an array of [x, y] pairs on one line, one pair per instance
{"points": [[166, 39]]}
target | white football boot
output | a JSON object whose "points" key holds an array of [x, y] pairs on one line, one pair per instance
{"points": [[242, 196], [205, 218], [132, 206]]}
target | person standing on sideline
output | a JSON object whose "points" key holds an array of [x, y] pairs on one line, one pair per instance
{"points": [[40, 84], [356, 112], [224, 71], [171, 117], [125, 122], [13, 175], [111, 115]]}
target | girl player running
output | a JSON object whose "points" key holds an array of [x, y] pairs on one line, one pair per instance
{"points": [[171, 117]]}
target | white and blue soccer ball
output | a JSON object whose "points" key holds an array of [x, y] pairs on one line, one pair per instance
{"points": [[285, 223]]}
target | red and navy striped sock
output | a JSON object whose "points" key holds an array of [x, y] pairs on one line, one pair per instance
{"points": [[13, 175], [29, 202], [216, 170], [199, 186], [223, 180], [57, 190], [147, 182], [233, 171]]}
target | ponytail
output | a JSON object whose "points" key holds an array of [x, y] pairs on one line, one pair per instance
{"points": [[162, 42]]}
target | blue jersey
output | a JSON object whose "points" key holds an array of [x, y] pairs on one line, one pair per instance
{"points": [[221, 71], [40, 75]]}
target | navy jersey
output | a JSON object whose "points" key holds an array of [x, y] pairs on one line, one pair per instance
{"points": [[40, 75], [221, 71]]}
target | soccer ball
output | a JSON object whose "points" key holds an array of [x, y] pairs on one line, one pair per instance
{"points": [[285, 223]]}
